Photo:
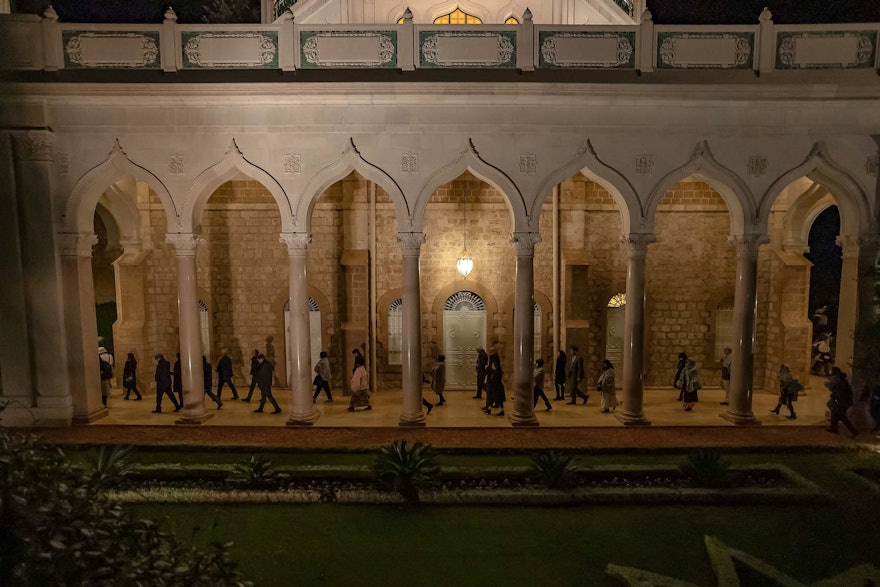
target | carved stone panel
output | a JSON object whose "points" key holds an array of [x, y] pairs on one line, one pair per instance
{"points": [[111, 49], [677, 50], [470, 49], [230, 50], [347, 49], [826, 49], [587, 49]]}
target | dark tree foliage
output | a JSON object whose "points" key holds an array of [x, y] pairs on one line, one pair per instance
{"points": [[151, 11], [57, 527], [747, 11]]}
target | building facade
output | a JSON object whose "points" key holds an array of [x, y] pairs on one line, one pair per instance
{"points": [[309, 184]]}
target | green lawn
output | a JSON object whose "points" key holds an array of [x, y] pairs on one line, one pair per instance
{"points": [[384, 545]]}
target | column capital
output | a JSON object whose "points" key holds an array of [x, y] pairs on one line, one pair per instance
{"points": [[525, 243], [297, 243], [747, 245], [636, 244], [185, 243], [853, 244], [34, 145], [74, 244], [410, 243]]}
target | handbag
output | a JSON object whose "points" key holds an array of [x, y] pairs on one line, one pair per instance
{"points": [[128, 381]]}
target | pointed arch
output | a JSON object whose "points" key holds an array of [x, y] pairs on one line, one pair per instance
{"points": [[856, 216], [469, 159], [511, 9], [398, 11], [351, 160], [80, 209], [123, 209], [801, 214], [624, 194], [448, 6], [232, 163], [733, 190]]}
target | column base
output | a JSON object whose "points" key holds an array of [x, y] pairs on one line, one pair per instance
{"points": [[632, 419], [194, 420], [413, 420], [523, 421], [302, 420], [740, 419], [89, 417]]}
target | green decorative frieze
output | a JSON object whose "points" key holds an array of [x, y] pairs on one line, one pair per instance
{"points": [[229, 49], [587, 49], [467, 49], [697, 50], [348, 49], [826, 49], [111, 49]]}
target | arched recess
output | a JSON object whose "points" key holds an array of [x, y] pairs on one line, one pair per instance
{"points": [[383, 325], [733, 190], [800, 216], [469, 159], [122, 206], [447, 6], [512, 8], [80, 209], [350, 160], [327, 319], [545, 306], [466, 285], [586, 161], [231, 164], [856, 216]]}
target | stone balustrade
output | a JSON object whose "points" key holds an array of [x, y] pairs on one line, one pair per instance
{"points": [[29, 42]]}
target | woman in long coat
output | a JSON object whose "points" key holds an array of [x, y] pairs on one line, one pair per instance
{"points": [[606, 387], [129, 376], [359, 385], [559, 375], [690, 384], [494, 385]]}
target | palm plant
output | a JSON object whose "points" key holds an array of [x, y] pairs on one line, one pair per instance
{"points": [[406, 469], [705, 467], [553, 469], [254, 472], [109, 465]]}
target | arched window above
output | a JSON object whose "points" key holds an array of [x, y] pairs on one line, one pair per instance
{"points": [[457, 16], [313, 306], [511, 20], [464, 300], [617, 301]]}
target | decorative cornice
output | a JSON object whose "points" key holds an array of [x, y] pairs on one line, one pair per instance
{"points": [[637, 244], [747, 245], [410, 243], [525, 243], [297, 243], [34, 145], [185, 243], [73, 244]]}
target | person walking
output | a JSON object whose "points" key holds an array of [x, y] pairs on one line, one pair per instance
{"points": [[438, 378], [481, 366], [788, 391], [177, 387], [575, 375], [841, 400], [495, 393], [359, 385], [224, 375], [538, 386], [559, 375], [255, 366], [129, 377], [163, 383], [264, 381], [824, 359], [678, 382], [606, 387], [208, 374], [726, 361], [105, 363], [322, 378], [690, 385]]}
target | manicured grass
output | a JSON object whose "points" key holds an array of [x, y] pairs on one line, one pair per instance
{"points": [[382, 545]]}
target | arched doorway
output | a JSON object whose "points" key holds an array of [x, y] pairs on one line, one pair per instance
{"points": [[464, 329], [614, 328], [314, 334]]}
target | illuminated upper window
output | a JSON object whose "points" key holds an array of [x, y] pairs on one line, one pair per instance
{"points": [[511, 20], [457, 17], [618, 301]]}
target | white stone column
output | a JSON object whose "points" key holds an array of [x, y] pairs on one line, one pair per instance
{"points": [[524, 329], [302, 411], [744, 317], [632, 412], [80, 326], [190, 332], [411, 339]]}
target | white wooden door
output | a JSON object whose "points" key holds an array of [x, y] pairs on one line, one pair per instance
{"points": [[463, 331]]}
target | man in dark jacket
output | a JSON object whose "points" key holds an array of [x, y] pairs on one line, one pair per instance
{"points": [[841, 400], [163, 383], [264, 380], [208, 375], [255, 366], [224, 375]]}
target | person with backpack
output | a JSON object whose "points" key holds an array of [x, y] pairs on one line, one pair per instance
{"points": [[105, 362]]}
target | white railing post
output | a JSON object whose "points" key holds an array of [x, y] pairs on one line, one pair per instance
{"points": [[407, 44], [647, 47], [171, 58], [53, 52], [288, 47], [766, 45], [525, 50]]}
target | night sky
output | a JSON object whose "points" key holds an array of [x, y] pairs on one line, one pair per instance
{"points": [[827, 263]]}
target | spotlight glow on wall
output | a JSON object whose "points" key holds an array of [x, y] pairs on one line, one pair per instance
{"points": [[464, 263]]}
